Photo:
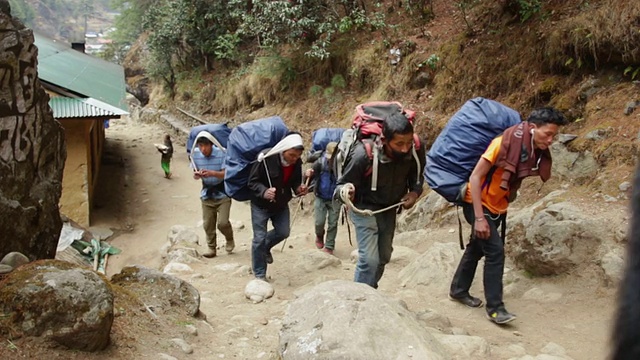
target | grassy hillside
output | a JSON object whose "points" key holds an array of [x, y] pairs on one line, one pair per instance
{"points": [[581, 57]]}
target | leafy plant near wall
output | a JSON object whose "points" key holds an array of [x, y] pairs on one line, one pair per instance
{"points": [[528, 8], [632, 71], [330, 93], [432, 62]]}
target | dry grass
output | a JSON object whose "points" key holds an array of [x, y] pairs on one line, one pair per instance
{"points": [[599, 37]]}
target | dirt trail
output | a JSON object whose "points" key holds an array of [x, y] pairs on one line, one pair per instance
{"points": [[142, 205]]}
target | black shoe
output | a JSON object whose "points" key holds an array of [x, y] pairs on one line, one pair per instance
{"points": [[268, 257], [470, 301], [501, 316]]}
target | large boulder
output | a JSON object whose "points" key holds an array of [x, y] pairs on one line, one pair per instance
{"points": [[32, 150], [353, 321], [434, 268], [166, 293], [313, 260], [70, 305], [553, 239], [578, 167], [426, 210]]}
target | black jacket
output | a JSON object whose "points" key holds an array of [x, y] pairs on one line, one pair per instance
{"points": [[259, 182], [395, 178]]}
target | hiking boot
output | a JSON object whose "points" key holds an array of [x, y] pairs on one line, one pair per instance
{"points": [[229, 246], [268, 257], [211, 253], [328, 251], [501, 317], [470, 301], [319, 242]]}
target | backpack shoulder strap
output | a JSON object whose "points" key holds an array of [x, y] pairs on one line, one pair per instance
{"points": [[373, 159]]}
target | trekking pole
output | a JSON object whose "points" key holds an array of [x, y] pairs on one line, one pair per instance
{"points": [[295, 214]]}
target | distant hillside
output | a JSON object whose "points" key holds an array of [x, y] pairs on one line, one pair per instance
{"points": [[64, 19]]}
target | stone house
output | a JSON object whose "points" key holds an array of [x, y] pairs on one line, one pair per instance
{"points": [[84, 92]]}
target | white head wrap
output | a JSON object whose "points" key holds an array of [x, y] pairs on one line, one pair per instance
{"points": [[289, 142], [208, 136]]}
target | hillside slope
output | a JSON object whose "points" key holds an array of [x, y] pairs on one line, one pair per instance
{"points": [[580, 57]]}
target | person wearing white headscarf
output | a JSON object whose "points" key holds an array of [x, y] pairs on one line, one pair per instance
{"points": [[273, 180], [207, 163]]}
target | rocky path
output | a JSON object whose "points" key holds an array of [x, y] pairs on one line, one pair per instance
{"points": [[572, 311]]}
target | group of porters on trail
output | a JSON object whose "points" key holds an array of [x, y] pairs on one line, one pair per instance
{"points": [[375, 169]]}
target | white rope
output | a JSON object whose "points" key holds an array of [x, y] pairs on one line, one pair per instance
{"points": [[344, 195]]}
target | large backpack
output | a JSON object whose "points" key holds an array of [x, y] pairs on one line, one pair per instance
{"points": [[220, 132], [367, 128], [464, 139], [246, 141], [319, 140]]}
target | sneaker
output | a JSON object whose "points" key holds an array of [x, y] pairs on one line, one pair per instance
{"points": [[319, 242], [229, 246], [501, 317], [263, 278], [268, 257], [470, 301], [328, 251], [211, 253]]}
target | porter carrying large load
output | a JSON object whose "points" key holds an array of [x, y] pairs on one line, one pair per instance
{"points": [[462, 142]]}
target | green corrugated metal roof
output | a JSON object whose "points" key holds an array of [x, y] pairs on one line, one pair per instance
{"points": [[64, 107], [84, 74]]}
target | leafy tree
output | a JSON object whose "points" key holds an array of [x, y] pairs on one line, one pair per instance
{"points": [[211, 28], [312, 23], [165, 24], [129, 24]]}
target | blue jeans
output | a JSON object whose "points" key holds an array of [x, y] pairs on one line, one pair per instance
{"points": [[375, 245], [263, 241], [327, 210]]}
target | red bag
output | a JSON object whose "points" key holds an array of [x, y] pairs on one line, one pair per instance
{"points": [[369, 117]]}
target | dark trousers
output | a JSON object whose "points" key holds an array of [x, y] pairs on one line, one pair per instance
{"points": [[493, 251], [264, 240]]}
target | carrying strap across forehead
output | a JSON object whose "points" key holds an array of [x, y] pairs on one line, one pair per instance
{"points": [[208, 136], [289, 142]]}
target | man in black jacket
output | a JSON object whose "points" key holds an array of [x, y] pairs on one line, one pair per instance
{"points": [[399, 179], [273, 179]]}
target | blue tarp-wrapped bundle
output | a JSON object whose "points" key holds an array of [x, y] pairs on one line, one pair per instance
{"points": [[462, 142], [245, 143], [219, 131], [320, 139]]}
